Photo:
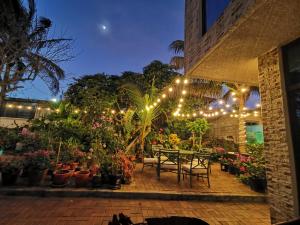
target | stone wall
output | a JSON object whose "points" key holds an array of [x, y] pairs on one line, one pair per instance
{"points": [[197, 45], [279, 171], [224, 127]]}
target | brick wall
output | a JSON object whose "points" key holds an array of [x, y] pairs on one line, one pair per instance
{"points": [[279, 171], [197, 45]]}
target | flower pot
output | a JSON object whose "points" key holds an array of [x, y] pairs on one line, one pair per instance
{"points": [[35, 177], [74, 165], [232, 170], [258, 184], [9, 178], [66, 167], [61, 177], [82, 178], [96, 181]]}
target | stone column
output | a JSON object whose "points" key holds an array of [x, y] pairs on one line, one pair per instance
{"points": [[279, 167]]}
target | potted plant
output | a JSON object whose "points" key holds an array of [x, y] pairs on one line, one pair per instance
{"points": [[127, 166], [36, 164], [256, 168], [61, 177], [257, 178], [10, 169], [82, 178]]}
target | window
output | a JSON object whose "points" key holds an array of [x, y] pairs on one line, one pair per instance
{"points": [[214, 9]]}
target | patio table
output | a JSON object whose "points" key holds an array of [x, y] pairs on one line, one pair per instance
{"points": [[182, 155]]}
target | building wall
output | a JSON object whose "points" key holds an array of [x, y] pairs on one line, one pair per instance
{"points": [[12, 122], [277, 152], [197, 46], [224, 127]]}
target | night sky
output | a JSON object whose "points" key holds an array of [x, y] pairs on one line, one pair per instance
{"points": [[113, 36]]}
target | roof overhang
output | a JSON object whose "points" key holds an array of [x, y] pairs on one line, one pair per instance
{"points": [[233, 58]]}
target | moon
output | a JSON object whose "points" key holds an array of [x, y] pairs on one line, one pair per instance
{"points": [[103, 28]]}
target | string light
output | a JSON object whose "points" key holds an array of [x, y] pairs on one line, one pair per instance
{"points": [[184, 92], [170, 89], [243, 90], [164, 95], [185, 81], [177, 81]]}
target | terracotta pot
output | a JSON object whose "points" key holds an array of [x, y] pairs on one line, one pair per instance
{"points": [[82, 178], [66, 167], [59, 166], [61, 177], [74, 165]]}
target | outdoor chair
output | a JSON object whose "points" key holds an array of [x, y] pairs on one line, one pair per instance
{"points": [[152, 159], [199, 166], [168, 161]]}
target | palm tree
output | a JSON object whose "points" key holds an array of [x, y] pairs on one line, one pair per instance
{"points": [[177, 61], [25, 49]]}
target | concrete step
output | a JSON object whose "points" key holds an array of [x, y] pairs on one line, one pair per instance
{"points": [[105, 193]]}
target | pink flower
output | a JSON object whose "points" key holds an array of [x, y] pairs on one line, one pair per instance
{"points": [[243, 169]]}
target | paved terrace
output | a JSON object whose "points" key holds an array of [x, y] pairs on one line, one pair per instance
{"points": [[92, 211], [221, 183], [224, 187]]}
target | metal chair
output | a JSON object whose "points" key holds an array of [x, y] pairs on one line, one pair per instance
{"points": [[168, 161], [199, 166], [153, 159]]}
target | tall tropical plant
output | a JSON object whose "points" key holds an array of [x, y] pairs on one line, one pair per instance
{"points": [[145, 114], [26, 51]]}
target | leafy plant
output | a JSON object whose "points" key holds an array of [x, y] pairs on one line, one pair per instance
{"points": [[38, 160], [199, 127]]}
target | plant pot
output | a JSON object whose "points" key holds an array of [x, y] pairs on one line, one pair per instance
{"points": [[74, 165], [61, 177], [35, 177], [232, 170], [96, 181], [258, 184], [82, 178], [9, 178]]}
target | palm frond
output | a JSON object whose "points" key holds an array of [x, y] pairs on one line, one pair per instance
{"points": [[177, 46], [135, 95], [44, 62], [177, 62]]}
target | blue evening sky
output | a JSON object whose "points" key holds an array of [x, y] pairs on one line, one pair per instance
{"points": [[113, 36]]}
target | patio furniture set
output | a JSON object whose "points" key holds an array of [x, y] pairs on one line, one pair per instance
{"points": [[181, 162]]}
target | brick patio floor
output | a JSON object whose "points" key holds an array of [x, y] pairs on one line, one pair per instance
{"points": [[93, 211], [221, 182]]}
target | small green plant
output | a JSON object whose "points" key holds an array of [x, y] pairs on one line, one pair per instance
{"points": [[198, 127]]}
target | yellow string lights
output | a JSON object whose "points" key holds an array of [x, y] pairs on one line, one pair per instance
{"points": [[219, 108]]}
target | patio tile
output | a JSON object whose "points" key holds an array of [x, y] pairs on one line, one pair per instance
{"points": [[221, 183], [96, 211]]}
